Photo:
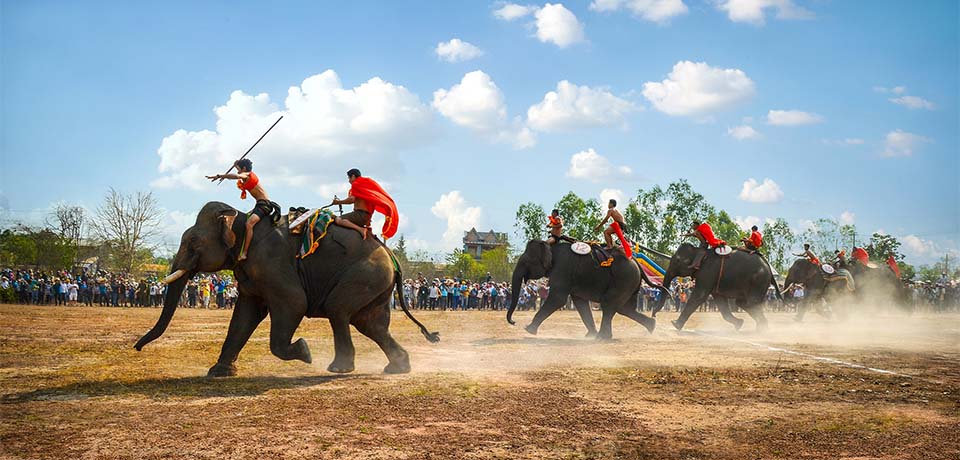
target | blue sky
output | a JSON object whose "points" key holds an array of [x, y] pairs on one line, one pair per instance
{"points": [[848, 108]]}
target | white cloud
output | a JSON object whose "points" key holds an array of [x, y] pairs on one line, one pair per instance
{"points": [[745, 223], [756, 192], [913, 102], [457, 50], [918, 247], [899, 143], [513, 11], [572, 106], [743, 132], [847, 218], [659, 11], [792, 118], [695, 88], [608, 194], [478, 104], [807, 224], [594, 167], [558, 25], [754, 11], [460, 217], [846, 141], [894, 90], [322, 121]]}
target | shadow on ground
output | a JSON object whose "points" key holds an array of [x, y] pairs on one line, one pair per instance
{"points": [[540, 341], [194, 387]]}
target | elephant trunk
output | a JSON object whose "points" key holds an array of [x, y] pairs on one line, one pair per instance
{"points": [[170, 301], [515, 286]]}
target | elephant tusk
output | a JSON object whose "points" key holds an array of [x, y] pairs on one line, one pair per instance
{"points": [[174, 276]]}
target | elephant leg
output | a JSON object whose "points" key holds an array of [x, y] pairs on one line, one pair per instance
{"points": [[583, 308], [287, 309], [697, 297], [606, 322], [801, 310], [343, 351], [553, 302], [756, 312], [374, 322], [247, 315], [630, 311], [727, 314]]}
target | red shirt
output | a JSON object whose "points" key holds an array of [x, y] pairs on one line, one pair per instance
{"points": [[706, 232], [247, 185], [756, 239]]}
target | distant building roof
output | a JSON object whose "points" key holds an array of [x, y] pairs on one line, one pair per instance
{"points": [[491, 238]]}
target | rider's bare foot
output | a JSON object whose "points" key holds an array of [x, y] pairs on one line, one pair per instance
{"points": [[242, 257], [363, 232]]}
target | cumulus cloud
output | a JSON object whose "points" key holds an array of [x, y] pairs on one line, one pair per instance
{"points": [[457, 50], [755, 11], [756, 192], [659, 11], [792, 118], [899, 143], [572, 106], [513, 11], [558, 25], [913, 102], [478, 104], [594, 167], [847, 218], [746, 223], [460, 217], [554, 23], [322, 121], [743, 132], [608, 194], [695, 88], [845, 141]]}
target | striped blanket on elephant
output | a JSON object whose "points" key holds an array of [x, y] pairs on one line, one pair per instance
{"points": [[316, 228]]}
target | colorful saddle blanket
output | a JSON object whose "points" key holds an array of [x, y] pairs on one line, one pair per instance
{"points": [[315, 228]]}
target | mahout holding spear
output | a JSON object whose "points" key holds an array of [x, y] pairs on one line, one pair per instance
{"points": [[247, 181]]}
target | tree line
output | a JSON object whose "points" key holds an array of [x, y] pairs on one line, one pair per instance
{"points": [[657, 217], [120, 233]]}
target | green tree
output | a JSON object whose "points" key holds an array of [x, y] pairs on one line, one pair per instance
{"points": [[778, 239], [882, 246], [497, 262], [580, 216], [907, 272], [531, 222], [657, 217], [464, 265], [725, 228]]}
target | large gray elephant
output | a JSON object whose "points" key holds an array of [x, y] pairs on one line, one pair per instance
{"points": [[741, 276], [580, 277], [817, 289], [348, 280]]}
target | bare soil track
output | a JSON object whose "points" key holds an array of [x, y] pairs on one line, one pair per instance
{"points": [[71, 386]]}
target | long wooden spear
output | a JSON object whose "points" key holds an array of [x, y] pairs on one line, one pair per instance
{"points": [[251, 148]]}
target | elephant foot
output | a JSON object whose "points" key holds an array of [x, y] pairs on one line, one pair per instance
{"points": [[222, 370], [738, 324], [605, 336], [397, 368], [650, 325], [590, 334], [677, 325], [338, 368], [303, 351], [531, 329]]}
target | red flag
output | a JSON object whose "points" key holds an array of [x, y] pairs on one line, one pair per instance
{"points": [[623, 240], [893, 265], [861, 255], [369, 190]]}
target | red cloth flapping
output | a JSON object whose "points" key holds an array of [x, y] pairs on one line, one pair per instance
{"points": [[247, 185], [707, 233], [367, 189], [623, 240]]}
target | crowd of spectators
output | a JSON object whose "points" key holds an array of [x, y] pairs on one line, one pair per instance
{"points": [[105, 289], [456, 294]]}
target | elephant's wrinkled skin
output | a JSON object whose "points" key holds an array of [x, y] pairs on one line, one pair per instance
{"points": [[742, 277], [580, 277], [268, 283]]}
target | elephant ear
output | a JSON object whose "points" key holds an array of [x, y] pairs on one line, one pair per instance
{"points": [[226, 219], [546, 256]]}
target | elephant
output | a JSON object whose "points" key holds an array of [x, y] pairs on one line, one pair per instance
{"points": [[816, 287], [741, 276], [580, 277], [879, 284], [348, 280]]}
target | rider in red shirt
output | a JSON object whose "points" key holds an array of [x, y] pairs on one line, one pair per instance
{"points": [[708, 240], [754, 241]]}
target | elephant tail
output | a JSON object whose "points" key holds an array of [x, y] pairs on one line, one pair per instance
{"points": [[432, 337]]}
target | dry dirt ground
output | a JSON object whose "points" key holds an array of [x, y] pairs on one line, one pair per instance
{"points": [[72, 386]]}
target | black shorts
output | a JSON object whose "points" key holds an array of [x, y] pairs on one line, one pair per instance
{"points": [[266, 209], [359, 217]]}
